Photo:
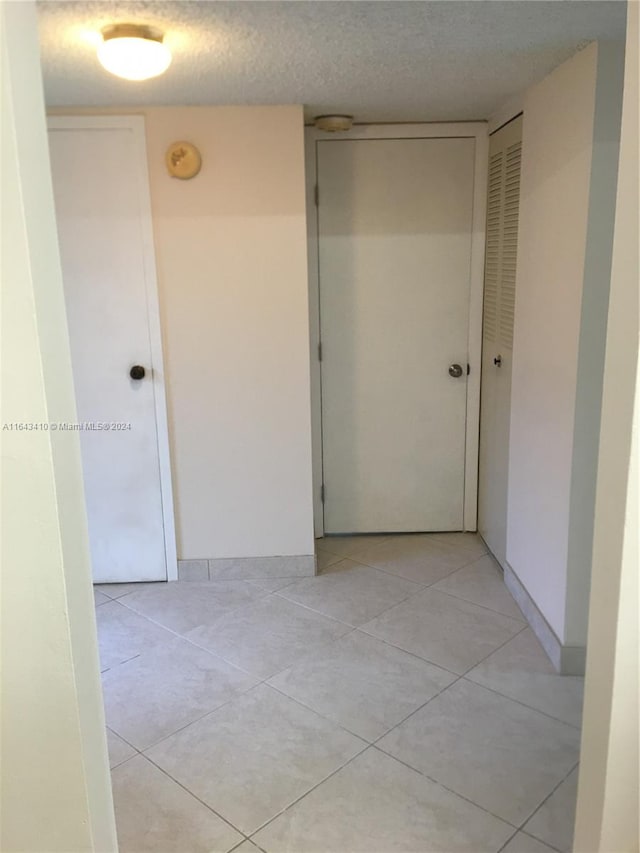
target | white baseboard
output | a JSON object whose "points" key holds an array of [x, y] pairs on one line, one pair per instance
{"points": [[247, 568], [568, 660]]}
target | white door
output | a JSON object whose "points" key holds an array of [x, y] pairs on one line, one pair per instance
{"points": [[394, 243], [505, 150], [100, 189]]}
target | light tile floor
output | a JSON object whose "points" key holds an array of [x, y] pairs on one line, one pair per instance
{"points": [[396, 702]]}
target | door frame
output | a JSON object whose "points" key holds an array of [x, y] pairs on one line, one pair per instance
{"points": [[459, 130], [136, 124]]}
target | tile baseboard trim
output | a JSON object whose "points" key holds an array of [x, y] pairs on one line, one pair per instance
{"points": [[568, 660], [573, 660], [193, 570], [247, 568]]}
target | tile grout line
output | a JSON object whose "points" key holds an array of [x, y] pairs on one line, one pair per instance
{"points": [[453, 548], [458, 678], [257, 583], [365, 746], [135, 749], [237, 693], [425, 586], [438, 537], [260, 598], [433, 585], [267, 593], [313, 711], [544, 843], [244, 835], [144, 750], [517, 701], [351, 628], [192, 722], [508, 841], [264, 679], [335, 722], [308, 657], [319, 714], [439, 665], [366, 742], [350, 624], [312, 610], [538, 807], [475, 603], [179, 636], [445, 787], [300, 661], [244, 841], [407, 652], [290, 805], [393, 758], [306, 793], [141, 586], [402, 577], [373, 745]]}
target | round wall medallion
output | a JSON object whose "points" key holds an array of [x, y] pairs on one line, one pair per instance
{"points": [[183, 160]]}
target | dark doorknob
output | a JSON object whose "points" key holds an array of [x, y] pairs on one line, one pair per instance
{"points": [[137, 372], [455, 370]]}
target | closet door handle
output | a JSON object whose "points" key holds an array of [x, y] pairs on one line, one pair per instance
{"points": [[498, 361], [137, 372]]}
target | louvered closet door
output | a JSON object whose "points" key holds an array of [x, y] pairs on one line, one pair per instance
{"points": [[505, 153]]}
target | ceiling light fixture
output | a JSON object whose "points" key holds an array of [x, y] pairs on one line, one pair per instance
{"points": [[133, 51]]}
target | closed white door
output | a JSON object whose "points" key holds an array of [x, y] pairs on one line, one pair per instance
{"points": [[505, 152], [394, 242], [99, 189]]}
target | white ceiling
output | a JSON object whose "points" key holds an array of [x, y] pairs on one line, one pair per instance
{"points": [[381, 61]]}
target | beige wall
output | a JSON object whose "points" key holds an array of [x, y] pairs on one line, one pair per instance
{"points": [[566, 223], [56, 794], [608, 790], [231, 253], [593, 335], [232, 269]]}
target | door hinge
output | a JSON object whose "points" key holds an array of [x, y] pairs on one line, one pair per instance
{"points": [[322, 493], [320, 351], [468, 369], [316, 195]]}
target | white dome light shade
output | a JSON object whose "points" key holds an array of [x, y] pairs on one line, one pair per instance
{"points": [[134, 52]]}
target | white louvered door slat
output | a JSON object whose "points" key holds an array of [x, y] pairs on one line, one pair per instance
{"points": [[492, 262], [505, 153], [511, 205]]}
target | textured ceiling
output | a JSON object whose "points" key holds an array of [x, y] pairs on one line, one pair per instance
{"points": [[381, 61]]}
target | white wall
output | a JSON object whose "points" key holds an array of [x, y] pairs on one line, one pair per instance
{"points": [[608, 791], [231, 253], [593, 334], [56, 794], [232, 274], [563, 182]]}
